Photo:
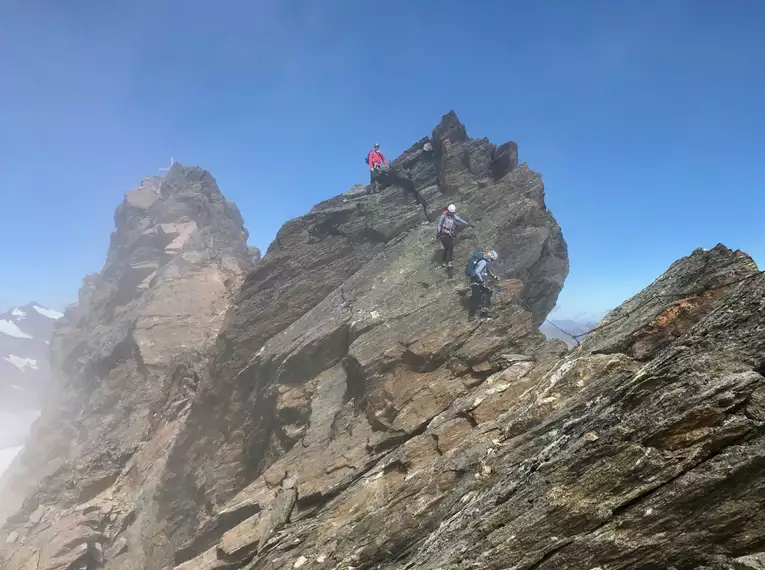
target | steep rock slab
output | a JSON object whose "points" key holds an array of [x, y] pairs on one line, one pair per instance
{"points": [[351, 294], [347, 340], [128, 358], [595, 460], [655, 467]]}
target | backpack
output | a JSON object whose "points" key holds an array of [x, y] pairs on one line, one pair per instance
{"points": [[445, 224], [473, 261]]}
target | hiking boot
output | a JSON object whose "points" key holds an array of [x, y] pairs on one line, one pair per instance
{"points": [[450, 264]]}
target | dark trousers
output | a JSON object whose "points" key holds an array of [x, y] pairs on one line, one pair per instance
{"points": [[448, 242], [378, 177], [480, 296]]}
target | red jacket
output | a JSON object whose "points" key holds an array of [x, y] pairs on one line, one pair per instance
{"points": [[375, 157]]}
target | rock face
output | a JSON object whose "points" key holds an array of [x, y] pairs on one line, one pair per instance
{"points": [[347, 340], [643, 448], [127, 358], [349, 416]]}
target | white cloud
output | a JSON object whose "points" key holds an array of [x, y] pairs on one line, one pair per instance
{"points": [[14, 426], [8, 455], [21, 363], [50, 313], [18, 313], [10, 328]]}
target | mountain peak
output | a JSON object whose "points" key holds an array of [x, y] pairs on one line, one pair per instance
{"points": [[332, 405]]}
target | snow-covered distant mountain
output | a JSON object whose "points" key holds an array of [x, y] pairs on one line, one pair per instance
{"points": [[25, 334]]}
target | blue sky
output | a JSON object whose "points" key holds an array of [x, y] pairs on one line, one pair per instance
{"points": [[645, 117]]}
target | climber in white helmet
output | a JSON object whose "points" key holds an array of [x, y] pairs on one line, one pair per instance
{"points": [[446, 230]]}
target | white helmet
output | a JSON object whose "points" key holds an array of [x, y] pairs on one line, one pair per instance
{"points": [[452, 208], [492, 255], [377, 145]]}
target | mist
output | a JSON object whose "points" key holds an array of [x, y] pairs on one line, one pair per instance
{"points": [[14, 427]]}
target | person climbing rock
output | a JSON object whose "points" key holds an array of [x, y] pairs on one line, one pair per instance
{"points": [[446, 231], [480, 294], [378, 168]]}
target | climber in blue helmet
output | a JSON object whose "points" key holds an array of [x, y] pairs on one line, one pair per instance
{"points": [[480, 294], [446, 230]]}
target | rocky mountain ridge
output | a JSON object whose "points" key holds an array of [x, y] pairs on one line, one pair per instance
{"points": [[177, 256], [332, 407]]}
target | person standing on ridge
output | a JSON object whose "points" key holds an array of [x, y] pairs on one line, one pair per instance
{"points": [[446, 231], [378, 167], [480, 294]]}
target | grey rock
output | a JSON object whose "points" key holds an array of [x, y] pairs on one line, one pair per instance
{"points": [[97, 552], [752, 562], [37, 515], [120, 546], [254, 253]]}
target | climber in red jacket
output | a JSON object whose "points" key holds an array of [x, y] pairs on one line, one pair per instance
{"points": [[378, 167]]}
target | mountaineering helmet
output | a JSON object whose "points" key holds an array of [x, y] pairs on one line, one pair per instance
{"points": [[492, 255], [452, 208], [377, 145]]}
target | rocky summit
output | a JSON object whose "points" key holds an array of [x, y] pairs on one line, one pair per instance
{"points": [[329, 406], [122, 359]]}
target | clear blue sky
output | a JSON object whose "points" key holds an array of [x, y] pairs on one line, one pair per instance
{"points": [[644, 117]]}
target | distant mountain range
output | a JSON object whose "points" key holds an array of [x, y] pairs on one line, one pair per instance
{"points": [[25, 334]]}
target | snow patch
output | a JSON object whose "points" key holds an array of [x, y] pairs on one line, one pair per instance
{"points": [[10, 328], [50, 313], [21, 363], [18, 313]]}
